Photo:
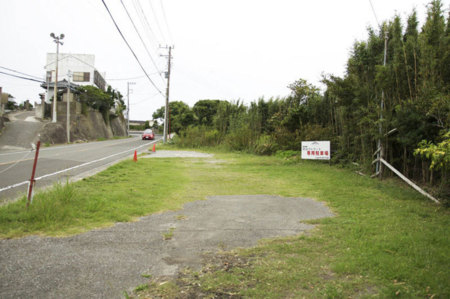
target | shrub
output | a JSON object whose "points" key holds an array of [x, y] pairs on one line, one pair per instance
{"points": [[265, 145]]}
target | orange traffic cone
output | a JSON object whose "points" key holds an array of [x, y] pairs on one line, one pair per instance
{"points": [[154, 147], [135, 156]]}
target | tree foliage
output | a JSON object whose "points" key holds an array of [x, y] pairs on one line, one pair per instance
{"points": [[439, 154], [102, 101], [180, 116], [409, 96]]}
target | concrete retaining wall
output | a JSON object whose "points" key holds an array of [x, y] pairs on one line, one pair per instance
{"points": [[82, 127]]}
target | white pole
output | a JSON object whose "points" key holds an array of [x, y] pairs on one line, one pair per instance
{"points": [[69, 74], [128, 106], [55, 87], [57, 40]]}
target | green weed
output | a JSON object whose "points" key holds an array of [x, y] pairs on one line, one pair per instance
{"points": [[168, 235], [385, 239]]}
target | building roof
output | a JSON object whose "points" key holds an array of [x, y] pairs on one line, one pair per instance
{"points": [[63, 84]]}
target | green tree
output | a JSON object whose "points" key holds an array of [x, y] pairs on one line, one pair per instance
{"points": [[180, 116], [439, 154], [204, 111], [97, 99], [11, 105], [116, 100]]}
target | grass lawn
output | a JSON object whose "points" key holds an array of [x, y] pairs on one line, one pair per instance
{"points": [[385, 241]]}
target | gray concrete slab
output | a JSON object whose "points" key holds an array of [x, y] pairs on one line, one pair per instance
{"points": [[176, 154], [105, 262]]}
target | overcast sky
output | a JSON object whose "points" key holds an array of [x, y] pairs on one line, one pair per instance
{"points": [[224, 49]]}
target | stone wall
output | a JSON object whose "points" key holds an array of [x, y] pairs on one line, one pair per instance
{"points": [[82, 127], [2, 123]]}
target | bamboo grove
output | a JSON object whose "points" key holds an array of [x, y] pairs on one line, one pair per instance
{"points": [[416, 112]]}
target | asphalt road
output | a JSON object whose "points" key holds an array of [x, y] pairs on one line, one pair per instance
{"points": [[16, 165], [20, 131]]}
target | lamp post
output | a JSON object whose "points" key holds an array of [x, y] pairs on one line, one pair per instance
{"points": [[57, 40], [69, 75], [47, 97]]}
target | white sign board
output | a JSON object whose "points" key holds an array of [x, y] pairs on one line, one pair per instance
{"points": [[316, 150]]}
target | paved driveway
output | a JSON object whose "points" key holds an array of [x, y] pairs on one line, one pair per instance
{"points": [[105, 262]]}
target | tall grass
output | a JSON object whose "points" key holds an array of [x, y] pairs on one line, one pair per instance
{"points": [[120, 193]]}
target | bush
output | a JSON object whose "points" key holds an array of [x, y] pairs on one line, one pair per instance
{"points": [[198, 137], [266, 145]]}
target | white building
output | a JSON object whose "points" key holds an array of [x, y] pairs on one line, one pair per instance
{"points": [[80, 65]]}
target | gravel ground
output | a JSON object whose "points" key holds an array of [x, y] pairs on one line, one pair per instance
{"points": [[104, 263]]}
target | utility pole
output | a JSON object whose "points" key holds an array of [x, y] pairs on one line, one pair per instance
{"points": [[1, 102], [57, 40], [47, 97], [128, 105], [379, 165], [166, 110], [69, 75]]}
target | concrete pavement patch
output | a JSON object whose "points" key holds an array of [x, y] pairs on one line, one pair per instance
{"points": [[105, 262], [177, 154]]}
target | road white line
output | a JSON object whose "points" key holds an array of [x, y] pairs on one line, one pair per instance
{"points": [[70, 146], [74, 167]]}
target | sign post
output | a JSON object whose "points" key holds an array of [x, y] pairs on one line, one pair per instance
{"points": [[33, 172], [316, 150]]}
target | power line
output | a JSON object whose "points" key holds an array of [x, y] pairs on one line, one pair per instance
{"points": [[165, 20], [24, 78], [156, 19], [373, 10], [140, 37], [134, 54], [132, 78], [11, 70], [141, 14], [144, 100], [80, 60]]}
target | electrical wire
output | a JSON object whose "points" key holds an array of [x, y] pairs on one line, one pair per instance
{"points": [[146, 25], [373, 10], [165, 20], [132, 78], [24, 78], [124, 79], [134, 54], [80, 60], [156, 19], [143, 18], [140, 37], [143, 100], [11, 70]]}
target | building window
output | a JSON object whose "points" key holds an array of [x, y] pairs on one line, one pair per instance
{"points": [[99, 81], [49, 76], [81, 77]]}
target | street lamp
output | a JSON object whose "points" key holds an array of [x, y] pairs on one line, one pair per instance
{"points": [[57, 40], [69, 75]]}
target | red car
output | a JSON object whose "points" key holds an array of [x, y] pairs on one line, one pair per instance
{"points": [[148, 135]]}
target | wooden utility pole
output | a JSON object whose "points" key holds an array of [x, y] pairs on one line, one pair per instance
{"points": [[166, 110]]}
